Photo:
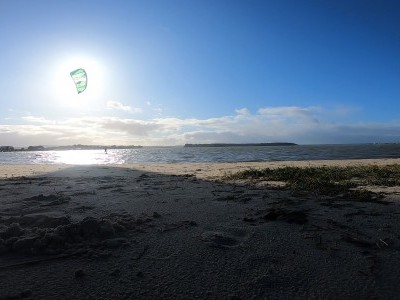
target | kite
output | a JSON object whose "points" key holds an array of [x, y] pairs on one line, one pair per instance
{"points": [[80, 79]]}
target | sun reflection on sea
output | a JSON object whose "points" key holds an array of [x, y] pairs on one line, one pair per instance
{"points": [[82, 157]]}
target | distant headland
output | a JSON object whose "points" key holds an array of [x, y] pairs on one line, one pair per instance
{"points": [[239, 145]]}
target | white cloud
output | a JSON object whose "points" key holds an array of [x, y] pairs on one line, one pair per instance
{"points": [[119, 106], [129, 126], [243, 111], [273, 124], [33, 119], [287, 112]]}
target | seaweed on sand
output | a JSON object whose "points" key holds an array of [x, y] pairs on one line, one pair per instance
{"points": [[336, 182]]}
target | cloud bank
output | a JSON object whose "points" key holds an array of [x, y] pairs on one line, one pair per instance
{"points": [[302, 125]]}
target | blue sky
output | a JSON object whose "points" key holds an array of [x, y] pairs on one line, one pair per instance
{"points": [[174, 72]]}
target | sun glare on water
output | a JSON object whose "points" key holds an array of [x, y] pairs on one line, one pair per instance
{"points": [[64, 87], [85, 157]]}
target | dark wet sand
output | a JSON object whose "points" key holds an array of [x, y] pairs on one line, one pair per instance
{"points": [[178, 231]]}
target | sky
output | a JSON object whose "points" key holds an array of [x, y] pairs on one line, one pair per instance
{"points": [[170, 72]]}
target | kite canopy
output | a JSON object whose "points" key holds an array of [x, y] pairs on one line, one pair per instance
{"points": [[80, 79]]}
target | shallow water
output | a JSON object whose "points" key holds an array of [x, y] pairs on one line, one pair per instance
{"points": [[203, 154]]}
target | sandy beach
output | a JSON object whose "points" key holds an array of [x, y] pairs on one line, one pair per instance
{"points": [[184, 231]]}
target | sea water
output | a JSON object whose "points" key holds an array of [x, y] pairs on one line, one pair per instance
{"points": [[202, 154]]}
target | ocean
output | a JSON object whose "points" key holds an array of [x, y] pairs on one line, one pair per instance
{"points": [[203, 154]]}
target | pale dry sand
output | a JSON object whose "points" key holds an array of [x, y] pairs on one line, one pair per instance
{"points": [[201, 170], [179, 231]]}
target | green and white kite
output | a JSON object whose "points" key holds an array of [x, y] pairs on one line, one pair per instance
{"points": [[79, 77]]}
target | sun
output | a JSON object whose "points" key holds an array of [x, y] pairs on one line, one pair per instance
{"points": [[64, 89]]}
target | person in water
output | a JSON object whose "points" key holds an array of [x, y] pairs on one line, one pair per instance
{"points": [[105, 150]]}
